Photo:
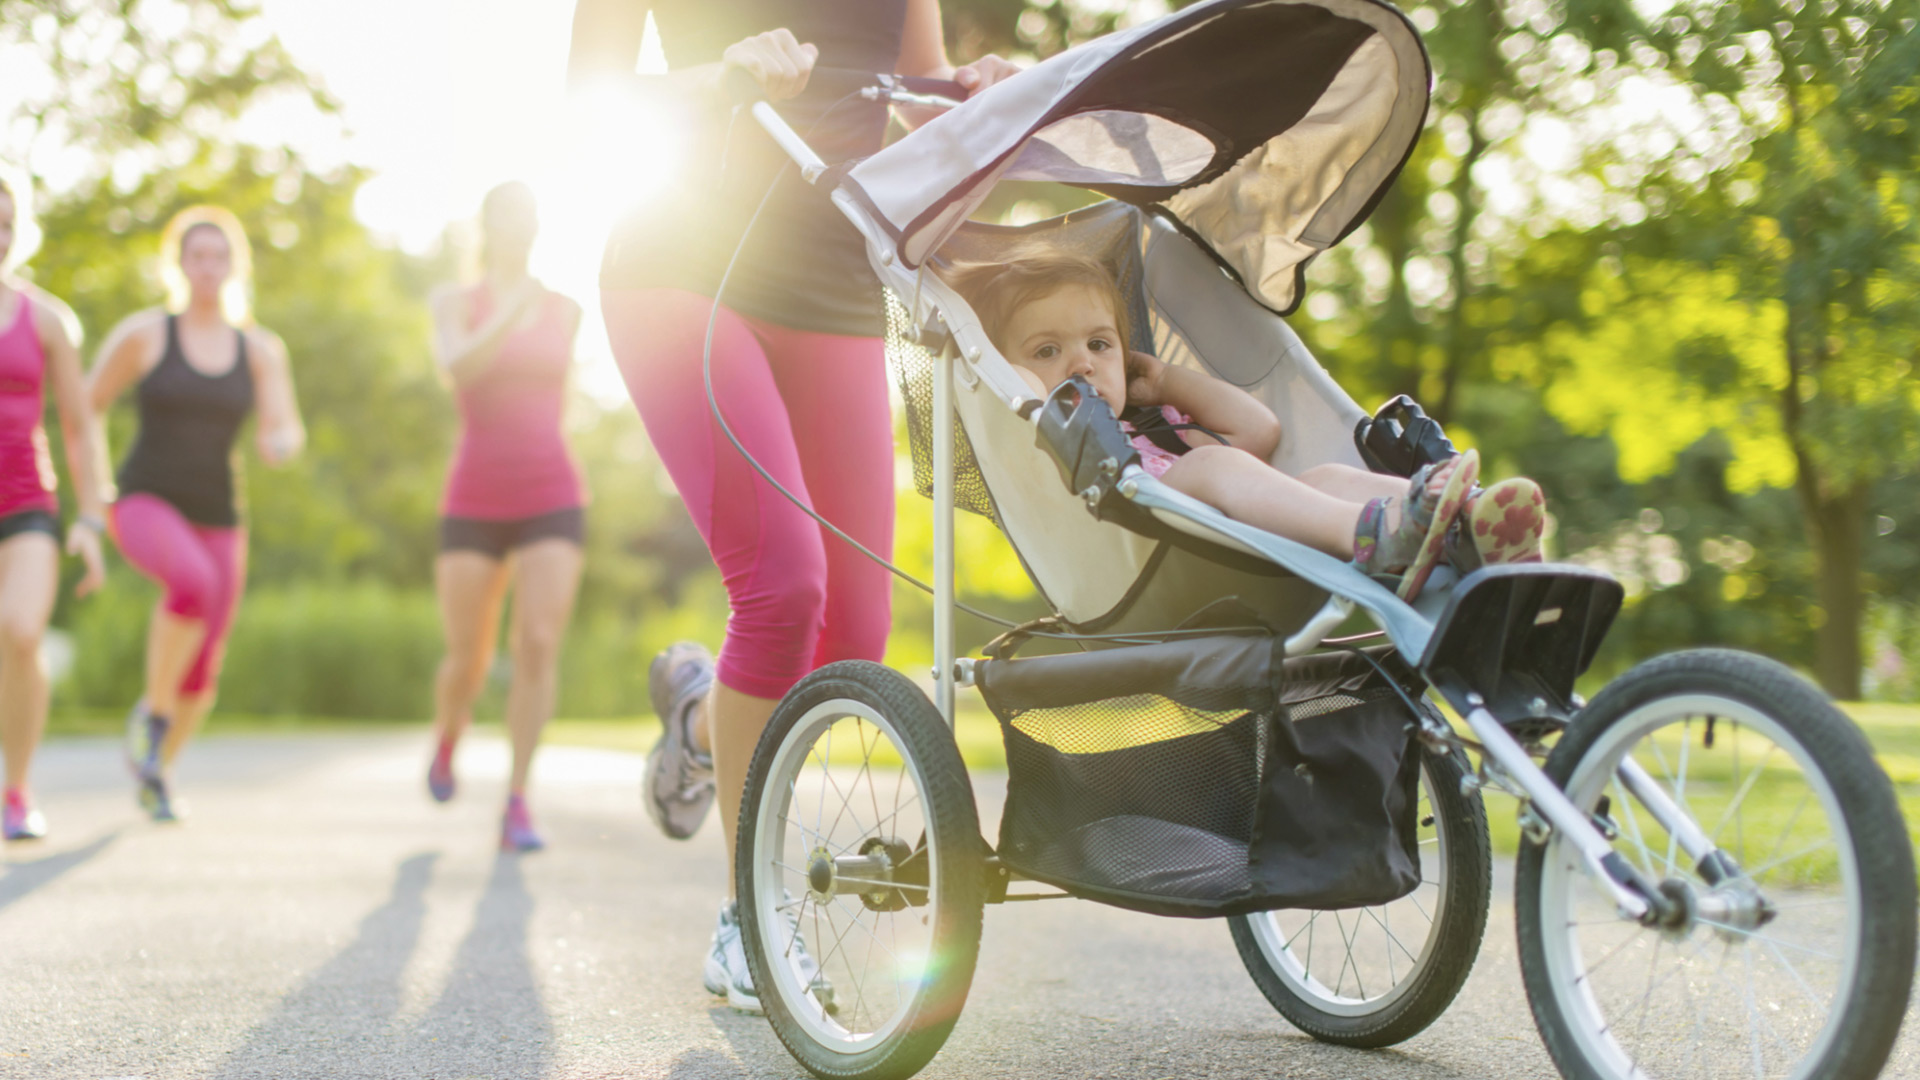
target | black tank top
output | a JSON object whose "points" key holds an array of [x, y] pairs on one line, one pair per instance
{"points": [[804, 267], [188, 422]]}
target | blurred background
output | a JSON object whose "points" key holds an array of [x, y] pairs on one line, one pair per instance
{"points": [[1663, 257]]}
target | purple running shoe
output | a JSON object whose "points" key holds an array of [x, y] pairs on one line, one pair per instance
{"points": [[440, 773], [146, 732], [516, 828], [20, 819]]}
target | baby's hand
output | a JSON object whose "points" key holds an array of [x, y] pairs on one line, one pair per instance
{"points": [[1144, 372]]}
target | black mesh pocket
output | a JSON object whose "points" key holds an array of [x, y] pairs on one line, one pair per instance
{"points": [[1139, 800], [1336, 825], [1201, 777]]}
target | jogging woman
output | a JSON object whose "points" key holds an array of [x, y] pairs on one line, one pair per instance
{"points": [[38, 347], [513, 505], [200, 366], [797, 361]]}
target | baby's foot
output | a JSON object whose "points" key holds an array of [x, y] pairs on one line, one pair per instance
{"points": [[1506, 521], [1440, 493], [1393, 534]]}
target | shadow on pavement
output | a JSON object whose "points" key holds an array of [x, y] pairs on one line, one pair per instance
{"points": [[489, 1020], [22, 877], [343, 1012]]}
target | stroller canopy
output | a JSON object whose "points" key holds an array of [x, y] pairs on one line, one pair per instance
{"points": [[1268, 128]]}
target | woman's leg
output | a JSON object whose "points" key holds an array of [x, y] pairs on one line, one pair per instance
{"points": [[227, 550], [29, 578], [836, 393], [546, 576], [471, 586], [162, 545], [769, 552]]}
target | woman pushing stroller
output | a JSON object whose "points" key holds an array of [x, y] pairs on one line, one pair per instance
{"points": [[1055, 315]]}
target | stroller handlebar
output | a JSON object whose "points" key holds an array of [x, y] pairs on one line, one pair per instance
{"points": [[742, 88]]}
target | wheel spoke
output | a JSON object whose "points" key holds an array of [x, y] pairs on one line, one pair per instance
{"points": [[1792, 820], [1740, 795], [1769, 939], [1611, 953], [1760, 871]]}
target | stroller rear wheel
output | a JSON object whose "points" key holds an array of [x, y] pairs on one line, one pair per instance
{"points": [[1376, 976], [860, 874], [1789, 951]]}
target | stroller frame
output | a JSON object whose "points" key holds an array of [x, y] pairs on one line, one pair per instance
{"points": [[1502, 646], [1414, 633]]}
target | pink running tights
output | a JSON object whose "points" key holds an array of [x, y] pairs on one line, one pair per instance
{"points": [[201, 567], [812, 409]]}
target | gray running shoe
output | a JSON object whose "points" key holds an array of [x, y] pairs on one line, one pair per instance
{"points": [[679, 781]]}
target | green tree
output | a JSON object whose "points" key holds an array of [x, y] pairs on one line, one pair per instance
{"points": [[138, 83], [1806, 245]]}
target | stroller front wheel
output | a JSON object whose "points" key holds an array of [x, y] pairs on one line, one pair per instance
{"points": [[859, 873], [1791, 949]]}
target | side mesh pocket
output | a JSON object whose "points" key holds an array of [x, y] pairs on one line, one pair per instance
{"points": [[1335, 826]]}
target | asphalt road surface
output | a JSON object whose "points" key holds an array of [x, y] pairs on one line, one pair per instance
{"points": [[318, 916]]}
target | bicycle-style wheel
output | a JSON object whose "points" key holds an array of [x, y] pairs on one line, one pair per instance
{"points": [[860, 875], [1793, 959], [1375, 976]]}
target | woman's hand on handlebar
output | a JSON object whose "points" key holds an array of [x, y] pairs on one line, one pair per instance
{"points": [[777, 60], [984, 72]]}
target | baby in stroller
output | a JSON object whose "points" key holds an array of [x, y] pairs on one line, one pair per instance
{"points": [[1056, 315]]}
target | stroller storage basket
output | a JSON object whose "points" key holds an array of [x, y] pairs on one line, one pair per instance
{"points": [[1207, 777]]}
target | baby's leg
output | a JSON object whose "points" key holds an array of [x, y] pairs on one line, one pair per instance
{"points": [[1351, 484], [1248, 489]]}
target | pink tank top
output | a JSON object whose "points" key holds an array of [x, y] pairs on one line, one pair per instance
{"points": [[26, 468], [512, 461]]}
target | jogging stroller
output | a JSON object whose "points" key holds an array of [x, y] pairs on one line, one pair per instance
{"points": [[1713, 875]]}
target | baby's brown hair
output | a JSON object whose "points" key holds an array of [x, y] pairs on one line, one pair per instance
{"points": [[996, 290]]}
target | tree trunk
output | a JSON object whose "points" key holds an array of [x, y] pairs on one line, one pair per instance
{"points": [[1459, 350], [1836, 523], [1396, 332], [1836, 528]]}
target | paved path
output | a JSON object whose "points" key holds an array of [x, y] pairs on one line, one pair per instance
{"points": [[318, 917]]}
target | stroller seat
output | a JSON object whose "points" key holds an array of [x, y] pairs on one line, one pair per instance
{"points": [[1159, 569]]}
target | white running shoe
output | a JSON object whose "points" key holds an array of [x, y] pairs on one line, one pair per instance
{"points": [[726, 973]]}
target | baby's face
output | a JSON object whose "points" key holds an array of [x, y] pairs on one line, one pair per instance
{"points": [[1070, 331]]}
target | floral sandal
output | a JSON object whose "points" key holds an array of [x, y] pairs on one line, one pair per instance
{"points": [[1413, 547], [1501, 524]]}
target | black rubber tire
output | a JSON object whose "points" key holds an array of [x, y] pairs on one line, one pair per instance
{"points": [[1469, 883], [1876, 1001], [954, 828]]}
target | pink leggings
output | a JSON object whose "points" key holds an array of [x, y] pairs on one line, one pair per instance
{"points": [[202, 568], [812, 409]]}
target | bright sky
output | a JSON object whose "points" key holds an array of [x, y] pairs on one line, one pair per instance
{"points": [[443, 99]]}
